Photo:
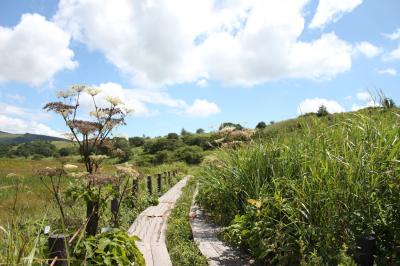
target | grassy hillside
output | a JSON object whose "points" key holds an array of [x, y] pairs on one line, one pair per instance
{"points": [[308, 189], [8, 138]]}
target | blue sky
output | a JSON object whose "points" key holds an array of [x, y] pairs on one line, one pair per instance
{"points": [[195, 64]]}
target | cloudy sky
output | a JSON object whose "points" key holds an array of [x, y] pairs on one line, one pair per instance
{"points": [[196, 63]]}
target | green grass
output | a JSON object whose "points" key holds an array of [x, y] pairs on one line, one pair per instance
{"points": [[305, 195], [182, 249], [26, 207]]}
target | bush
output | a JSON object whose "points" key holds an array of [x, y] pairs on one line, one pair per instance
{"points": [[112, 248], [44, 148], [136, 141], [322, 111], [63, 152], [190, 155], [37, 157], [261, 125]]}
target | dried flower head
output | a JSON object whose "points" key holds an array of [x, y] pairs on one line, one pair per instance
{"points": [[99, 179], [78, 88], [127, 170], [92, 91], [70, 167], [59, 107], [50, 172], [13, 176], [85, 127], [64, 94], [114, 101]]}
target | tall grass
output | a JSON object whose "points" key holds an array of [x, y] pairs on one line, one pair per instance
{"points": [[26, 208], [305, 196]]}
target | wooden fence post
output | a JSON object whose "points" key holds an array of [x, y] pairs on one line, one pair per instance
{"points": [[135, 187], [149, 185], [114, 211], [366, 246], [165, 178], [159, 184], [58, 249]]}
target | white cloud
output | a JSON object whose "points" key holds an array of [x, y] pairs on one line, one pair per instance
{"points": [[243, 42], [21, 126], [202, 83], [388, 71], [16, 97], [366, 99], [140, 99], [329, 11], [394, 35], [367, 49], [392, 55], [312, 105], [202, 108], [33, 51], [364, 96], [15, 119]]}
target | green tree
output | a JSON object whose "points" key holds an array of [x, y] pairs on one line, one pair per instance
{"points": [[189, 154], [322, 111], [261, 125], [184, 132], [388, 103], [200, 131], [173, 136], [136, 141], [230, 124]]}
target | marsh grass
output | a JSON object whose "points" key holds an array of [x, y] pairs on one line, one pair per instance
{"points": [[26, 207], [181, 247], [307, 194]]}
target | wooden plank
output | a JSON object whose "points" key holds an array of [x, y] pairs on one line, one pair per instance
{"points": [[205, 236], [150, 227]]}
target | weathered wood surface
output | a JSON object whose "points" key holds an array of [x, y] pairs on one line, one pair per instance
{"points": [[150, 227], [205, 235]]}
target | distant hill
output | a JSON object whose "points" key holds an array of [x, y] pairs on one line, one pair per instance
{"points": [[9, 138]]}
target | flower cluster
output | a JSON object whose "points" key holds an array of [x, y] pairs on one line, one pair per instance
{"points": [[127, 170], [85, 127], [60, 108], [114, 101], [100, 179], [50, 172], [92, 91]]}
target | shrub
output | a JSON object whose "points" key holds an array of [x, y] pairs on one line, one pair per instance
{"points": [[111, 248], [322, 111], [190, 155], [261, 125], [136, 141]]}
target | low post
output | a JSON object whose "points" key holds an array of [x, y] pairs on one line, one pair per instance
{"points": [[135, 187], [149, 185], [165, 178], [58, 249], [159, 184], [114, 211], [174, 173], [366, 246], [169, 177]]}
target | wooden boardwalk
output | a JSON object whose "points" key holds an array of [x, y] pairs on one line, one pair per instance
{"points": [[150, 227], [205, 235]]}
